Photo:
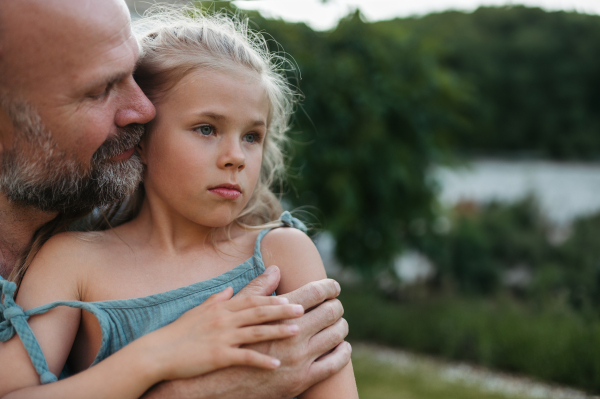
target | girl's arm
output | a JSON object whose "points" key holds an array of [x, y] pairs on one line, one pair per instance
{"points": [[300, 263], [203, 339]]}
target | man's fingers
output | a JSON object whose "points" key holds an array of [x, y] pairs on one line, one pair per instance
{"points": [[264, 285], [248, 357], [314, 293], [330, 364], [321, 317], [328, 339], [254, 334], [240, 303], [264, 314]]}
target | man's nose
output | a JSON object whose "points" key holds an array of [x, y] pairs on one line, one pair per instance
{"points": [[135, 107]]}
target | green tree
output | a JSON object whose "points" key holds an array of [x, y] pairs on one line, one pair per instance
{"points": [[377, 111], [535, 76]]}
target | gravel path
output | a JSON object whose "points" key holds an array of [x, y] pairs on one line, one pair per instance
{"points": [[465, 374]]}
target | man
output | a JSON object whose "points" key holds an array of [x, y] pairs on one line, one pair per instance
{"points": [[70, 113]]}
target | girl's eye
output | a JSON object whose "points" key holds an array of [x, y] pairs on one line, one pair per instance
{"points": [[251, 138], [205, 130]]}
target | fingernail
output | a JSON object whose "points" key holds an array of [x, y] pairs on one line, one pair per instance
{"points": [[298, 309], [283, 301], [349, 347], [293, 328], [337, 287], [276, 362], [270, 270]]}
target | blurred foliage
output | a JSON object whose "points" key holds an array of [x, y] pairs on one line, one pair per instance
{"points": [[486, 242], [376, 111], [555, 343], [546, 325], [575, 270], [535, 76]]}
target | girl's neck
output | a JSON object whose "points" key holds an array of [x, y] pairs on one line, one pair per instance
{"points": [[164, 229]]}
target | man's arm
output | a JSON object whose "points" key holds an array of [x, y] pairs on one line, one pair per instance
{"points": [[321, 330]]}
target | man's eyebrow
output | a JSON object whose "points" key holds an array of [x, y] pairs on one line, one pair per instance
{"points": [[109, 80]]}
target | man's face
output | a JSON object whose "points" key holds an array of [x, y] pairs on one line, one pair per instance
{"points": [[71, 109], [37, 172]]}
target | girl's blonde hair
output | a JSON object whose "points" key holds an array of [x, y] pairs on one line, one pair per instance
{"points": [[177, 40]]}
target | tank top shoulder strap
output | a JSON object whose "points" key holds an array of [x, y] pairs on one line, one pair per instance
{"points": [[13, 320], [287, 220]]}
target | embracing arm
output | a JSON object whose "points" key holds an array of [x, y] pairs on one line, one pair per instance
{"points": [[300, 263], [321, 329]]}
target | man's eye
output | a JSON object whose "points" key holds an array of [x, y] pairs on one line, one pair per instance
{"points": [[100, 93], [205, 130]]}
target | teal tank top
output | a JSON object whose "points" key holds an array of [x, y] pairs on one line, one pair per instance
{"points": [[123, 321]]}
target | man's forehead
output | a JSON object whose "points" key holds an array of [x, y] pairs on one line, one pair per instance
{"points": [[63, 18], [64, 34]]}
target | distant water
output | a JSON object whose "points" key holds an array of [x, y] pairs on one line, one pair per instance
{"points": [[564, 190]]}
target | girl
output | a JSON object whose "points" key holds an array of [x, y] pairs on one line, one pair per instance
{"points": [[201, 217]]}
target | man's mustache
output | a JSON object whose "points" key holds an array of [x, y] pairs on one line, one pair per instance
{"points": [[127, 137]]}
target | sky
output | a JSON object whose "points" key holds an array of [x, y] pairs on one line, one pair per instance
{"points": [[323, 16]]}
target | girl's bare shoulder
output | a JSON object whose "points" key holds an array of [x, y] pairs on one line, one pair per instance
{"points": [[284, 241], [296, 256], [74, 246], [70, 253], [56, 271]]}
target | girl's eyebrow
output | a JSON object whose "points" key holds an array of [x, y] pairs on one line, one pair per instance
{"points": [[219, 117], [213, 115]]}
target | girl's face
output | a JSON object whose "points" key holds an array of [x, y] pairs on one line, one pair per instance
{"points": [[203, 151]]}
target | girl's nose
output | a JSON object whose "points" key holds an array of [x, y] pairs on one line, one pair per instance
{"points": [[233, 155]]}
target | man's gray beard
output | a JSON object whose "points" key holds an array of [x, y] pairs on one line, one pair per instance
{"points": [[36, 172]]}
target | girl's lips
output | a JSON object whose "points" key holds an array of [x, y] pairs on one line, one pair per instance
{"points": [[124, 155], [229, 193]]}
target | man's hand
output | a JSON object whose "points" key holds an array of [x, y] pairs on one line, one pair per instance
{"points": [[305, 358]]}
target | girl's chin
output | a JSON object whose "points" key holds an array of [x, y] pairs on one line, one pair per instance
{"points": [[216, 221], [214, 214]]}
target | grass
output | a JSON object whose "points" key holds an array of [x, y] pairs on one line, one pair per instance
{"points": [[553, 345], [424, 379], [379, 381]]}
